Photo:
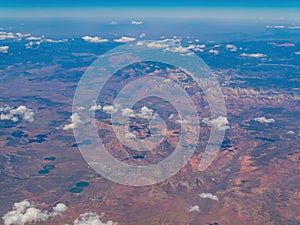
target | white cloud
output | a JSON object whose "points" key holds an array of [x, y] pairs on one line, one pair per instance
{"points": [[182, 121], [209, 196], [6, 35], [95, 107], [157, 44], [94, 39], [134, 22], [291, 132], [130, 135], [4, 49], [178, 49], [54, 41], [14, 114], [27, 212], [32, 44], [199, 48], [220, 123], [125, 39], [75, 121], [276, 27], [297, 53], [253, 55], [34, 38], [142, 35], [294, 27], [91, 219], [213, 51], [127, 112], [264, 120], [113, 22], [60, 208], [231, 47], [194, 208], [146, 113], [109, 109]]}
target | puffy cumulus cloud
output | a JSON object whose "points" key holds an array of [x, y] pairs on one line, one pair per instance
{"points": [[109, 109], [220, 123], [27, 212], [213, 51], [142, 35], [6, 35], [146, 113], [163, 44], [253, 55], [194, 208], [231, 47], [4, 49], [9, 35], [125, 39], [209, 196], [127, 112], [134, 22], [197, 48], [15, 114], [178, 49], [94, 39], [157, 44], [92, 219], [95, 107], [171, 45], [60, 208], [297, 53], [75, 121], [264, 120], [291, 132]]}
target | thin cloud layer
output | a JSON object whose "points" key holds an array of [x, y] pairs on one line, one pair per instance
{"points": [[264, 120], [15, 114], [26, 212], [253, 55], [220, 123], [95, 39], [125, 39], [134, 22]]}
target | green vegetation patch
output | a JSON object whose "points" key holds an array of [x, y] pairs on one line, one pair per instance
{"points": [[82, 184], [48, 167], [76, 190], [45, 171], [50, 158]]}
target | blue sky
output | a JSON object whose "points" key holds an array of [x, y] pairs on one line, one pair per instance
{"points": [[152, 3], [257, 9]]}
